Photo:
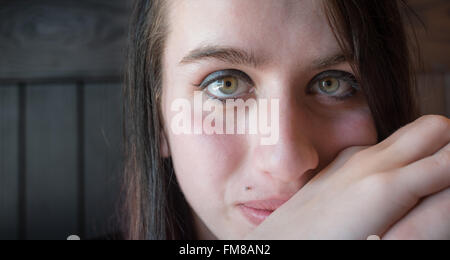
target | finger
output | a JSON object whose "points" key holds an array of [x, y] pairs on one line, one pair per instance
{"points": [[339, 161], [420, 139], [426, 176], [341, 158], [428, 220]]}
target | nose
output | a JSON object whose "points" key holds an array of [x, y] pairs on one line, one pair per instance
{"points": [[293, 155]]}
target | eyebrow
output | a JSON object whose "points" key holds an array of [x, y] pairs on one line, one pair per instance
{"points": [[329, 61], [225, 54], [241, 57]]}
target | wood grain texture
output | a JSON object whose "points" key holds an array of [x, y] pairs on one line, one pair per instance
{"points": [[431, 92], [51, 159], [86, 38], [447, 94], [9, 194], [70, 38], [102, 156], [435, 40]]}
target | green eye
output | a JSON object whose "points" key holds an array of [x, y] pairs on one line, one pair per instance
{"points": [[329, 85], [227, 85], [334, 84]]}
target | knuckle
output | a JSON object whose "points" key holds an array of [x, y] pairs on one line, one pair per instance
{"points": [[379, 183], [358, 152], [405, 231], [442, 158], [353, 149], [437, 123]]}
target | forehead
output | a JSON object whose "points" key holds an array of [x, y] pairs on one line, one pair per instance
{"points": [[278, 29]]}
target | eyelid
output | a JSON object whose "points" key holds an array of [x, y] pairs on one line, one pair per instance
{"points": [[223, 74], [339, 74]]}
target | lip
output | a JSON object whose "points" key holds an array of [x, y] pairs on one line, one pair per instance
{"points": [[258, 210]]}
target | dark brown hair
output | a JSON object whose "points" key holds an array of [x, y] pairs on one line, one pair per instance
{"points": [[371, 33], [154, 205]]}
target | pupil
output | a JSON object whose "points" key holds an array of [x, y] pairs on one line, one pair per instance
{"points": [[228, 84]]}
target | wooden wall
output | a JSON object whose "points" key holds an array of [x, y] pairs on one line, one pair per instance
{"points": [[60, 116], [59, 159], [66, 39], [434, 39]]}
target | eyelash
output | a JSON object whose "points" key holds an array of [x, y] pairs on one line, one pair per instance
{"points": [[338, 74], [223, 74]]}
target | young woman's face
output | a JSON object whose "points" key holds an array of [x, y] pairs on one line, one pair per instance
{"points": [[232, 182]]}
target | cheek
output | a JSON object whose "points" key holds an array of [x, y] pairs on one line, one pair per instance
{"points": [[204, 164], [355, 128]]}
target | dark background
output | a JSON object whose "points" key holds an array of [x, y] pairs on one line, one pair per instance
{"points": [[61, 65]]}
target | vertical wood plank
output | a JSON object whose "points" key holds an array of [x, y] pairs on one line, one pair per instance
{"points": [[9, 119], [432, 93], [51, 196], [103, 133], [447, 94], [435, 40]]}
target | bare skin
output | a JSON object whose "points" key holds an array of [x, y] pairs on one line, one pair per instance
{"points": [[337, 181], [358, 196]]}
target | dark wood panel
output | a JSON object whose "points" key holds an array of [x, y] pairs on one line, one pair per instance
{"points": [[435, 41], [103, 133], [70, 38], [432, 93], [9, 175], [38, 38], [447, 94], [51, 159]]}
